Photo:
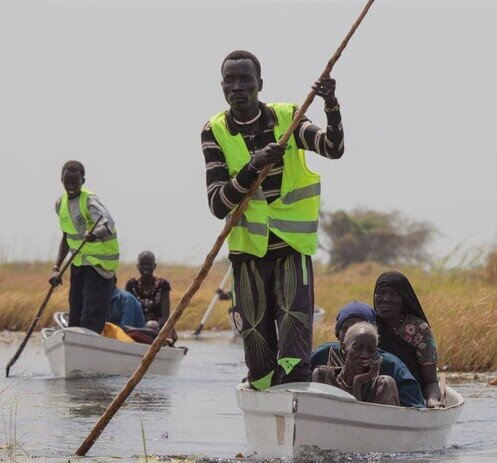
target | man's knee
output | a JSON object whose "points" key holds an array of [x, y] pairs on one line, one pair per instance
{"points": [[386, 384]]}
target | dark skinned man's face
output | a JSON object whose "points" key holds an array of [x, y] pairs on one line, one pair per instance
{"points": [[241, 85], [72, 181], [361, 351]]}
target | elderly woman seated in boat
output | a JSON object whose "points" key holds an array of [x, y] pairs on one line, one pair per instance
{"points": [[405, 332], [359, 375], [152, 292], [332, 354]]}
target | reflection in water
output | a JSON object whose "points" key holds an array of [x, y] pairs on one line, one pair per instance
{"points": [[90, 396], [85, 397], [194, 413]]}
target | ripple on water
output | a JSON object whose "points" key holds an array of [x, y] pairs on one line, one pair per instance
{"points": [[194, 413]]}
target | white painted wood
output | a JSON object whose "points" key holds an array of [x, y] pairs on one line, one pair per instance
{"points": [[315, 414], [78, 352]]}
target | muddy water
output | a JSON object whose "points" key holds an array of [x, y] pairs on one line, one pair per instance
{"points": [[194, 413]]}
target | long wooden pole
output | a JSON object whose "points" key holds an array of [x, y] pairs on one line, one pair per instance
{"points": [[214, 299], [44, 304], [204, 270]]}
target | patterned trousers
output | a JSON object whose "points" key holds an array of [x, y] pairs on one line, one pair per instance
{"points": [[273, 311]]}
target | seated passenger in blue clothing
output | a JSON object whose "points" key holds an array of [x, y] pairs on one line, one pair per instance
{"points": [[331, 353], [125, 309]]}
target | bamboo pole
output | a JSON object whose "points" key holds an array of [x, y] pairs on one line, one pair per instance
{"points": [[204, 269], [44, 304]]}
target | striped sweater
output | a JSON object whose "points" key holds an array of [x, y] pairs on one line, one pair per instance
{"points": [[224, 193]]}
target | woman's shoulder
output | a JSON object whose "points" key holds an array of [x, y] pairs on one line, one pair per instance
{"points": [[131, 283], [163, 284], [412, 324], [418, 333]]}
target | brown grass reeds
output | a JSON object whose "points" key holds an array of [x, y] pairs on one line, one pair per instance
{"points": [[461, 305], [24, 285]]}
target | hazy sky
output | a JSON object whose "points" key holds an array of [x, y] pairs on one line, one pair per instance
{"points": [[127, 87]]}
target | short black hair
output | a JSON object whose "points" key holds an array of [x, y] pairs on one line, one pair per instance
{"points": [[243, 54], [73, 166], [146, 254]]}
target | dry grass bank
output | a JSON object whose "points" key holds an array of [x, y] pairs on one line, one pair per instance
{"points": [[461, 306], [23, 287]]}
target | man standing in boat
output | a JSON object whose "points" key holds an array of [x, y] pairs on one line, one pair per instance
{"points": [[93, 269], [271, 246]]}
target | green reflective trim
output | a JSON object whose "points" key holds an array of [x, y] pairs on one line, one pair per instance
{"points": [[264, 382], [305, 281], [288, 363], [252, 227], [302, 193], [99, 240], [75, 237], [98, 256], [104, 256], [294, 226]]}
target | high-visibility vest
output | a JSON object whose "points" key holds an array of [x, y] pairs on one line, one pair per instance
{"points": [[294, 215], [103, 252]]}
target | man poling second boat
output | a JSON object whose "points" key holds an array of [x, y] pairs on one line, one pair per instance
{"points": [[202, 273], [33, 324]]}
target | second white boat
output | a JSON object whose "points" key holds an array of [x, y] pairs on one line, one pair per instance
{"points": [[73, 352]]}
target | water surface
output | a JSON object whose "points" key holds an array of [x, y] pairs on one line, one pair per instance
{"points": [[194, 413]]}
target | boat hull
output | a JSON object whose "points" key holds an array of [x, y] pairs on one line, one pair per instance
{"points": [[284, 418], [74, 352]]}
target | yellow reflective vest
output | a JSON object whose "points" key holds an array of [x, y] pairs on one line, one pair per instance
{"points": [[102, 252], [294, 215]]}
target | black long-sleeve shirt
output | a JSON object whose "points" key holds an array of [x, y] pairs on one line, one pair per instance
{"points": [[224, 193]]}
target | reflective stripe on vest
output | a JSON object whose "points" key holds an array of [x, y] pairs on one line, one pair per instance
{"points": [[102, 252], [294, 215]]}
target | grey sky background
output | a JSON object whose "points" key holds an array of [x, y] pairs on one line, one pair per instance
{"points": [[127, 87]]}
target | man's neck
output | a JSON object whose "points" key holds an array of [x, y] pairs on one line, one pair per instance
{"points": [[245, 116], [147, 280], [73, 196]]}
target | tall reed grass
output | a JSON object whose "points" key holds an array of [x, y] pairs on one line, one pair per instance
{"points": [[461, 305]]}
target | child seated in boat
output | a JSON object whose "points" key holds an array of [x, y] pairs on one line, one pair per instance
{"points": [[331, 353], [359, 375], [153, 293]]}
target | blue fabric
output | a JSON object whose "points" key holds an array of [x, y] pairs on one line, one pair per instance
{"points": [[354, 310], [126, 309], [409, 391]]}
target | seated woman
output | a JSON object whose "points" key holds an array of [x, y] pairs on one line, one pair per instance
{"points": [[152, 292], [405, 332], [359, 375], [331, 353]]}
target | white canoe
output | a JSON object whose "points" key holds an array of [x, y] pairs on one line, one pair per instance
{"points": [[281, 419], [78, 352]]}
